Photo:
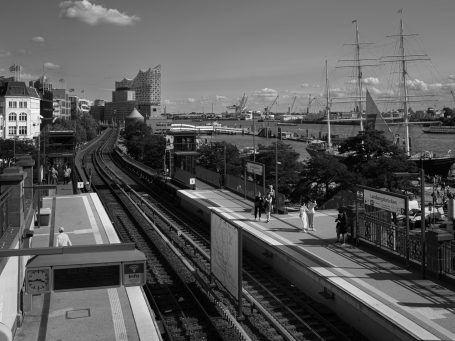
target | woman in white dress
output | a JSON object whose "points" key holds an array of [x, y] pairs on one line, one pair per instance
{"points": [[303, 217]]}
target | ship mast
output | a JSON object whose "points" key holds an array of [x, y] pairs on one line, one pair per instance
{"points": [[359, 72], [327, 107], [357, 65], [405, 88]]}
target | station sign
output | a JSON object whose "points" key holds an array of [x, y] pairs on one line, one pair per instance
{"points": [[255, 168], [80, 184], [72, 269], [192, 181], [384, 201]]}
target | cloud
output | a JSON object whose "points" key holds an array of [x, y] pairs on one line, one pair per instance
{"points": [[370, 81], [266, 93], [220, 98], [93, 14], [191, 100], [307, 85], [4, 53], [29, 76], [38, 39], [51, 66], [452, 77]]}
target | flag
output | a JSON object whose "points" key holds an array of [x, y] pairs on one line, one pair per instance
{"points": [[71, 90], [354, 21], [400, 11], [13, 68], [61, 80]]}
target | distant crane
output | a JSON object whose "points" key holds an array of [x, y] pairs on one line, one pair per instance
{"points": [[310, 100], [240, 107], [267, 109], [291, 108]]}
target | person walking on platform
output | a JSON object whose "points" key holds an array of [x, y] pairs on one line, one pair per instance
{"points": [[341, 227], [268, 206], [271, 191], [62, 238], [303, 214], [311, 206], [258, 204]]}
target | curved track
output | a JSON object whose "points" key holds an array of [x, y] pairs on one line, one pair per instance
{"points": [[272, 308]]}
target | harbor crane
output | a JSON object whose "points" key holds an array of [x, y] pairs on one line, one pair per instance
{"points": [[291, 108], [240, 107], [310, 100], [267, 109]]}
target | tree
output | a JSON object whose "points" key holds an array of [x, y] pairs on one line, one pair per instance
{"points": [[10, 147], [212, 157], [322, 176], [289, 167]]}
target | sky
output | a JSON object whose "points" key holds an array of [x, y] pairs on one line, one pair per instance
{"points": [[212, 52]]}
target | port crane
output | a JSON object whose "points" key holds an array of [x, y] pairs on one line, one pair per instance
{"points": [[267, 109], [291, 108], [310, 101], [240, 107]]}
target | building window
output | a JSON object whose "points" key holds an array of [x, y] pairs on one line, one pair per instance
{"points": [[23, 117], [25, 104], [23, 130], [12, 116], [12, 130]]}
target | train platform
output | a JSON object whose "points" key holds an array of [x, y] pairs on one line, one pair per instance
{"points": [[118, 313], [380, 298]]}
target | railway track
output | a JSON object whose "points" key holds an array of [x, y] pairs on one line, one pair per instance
{"points": [[184, 312], [273, 309]]}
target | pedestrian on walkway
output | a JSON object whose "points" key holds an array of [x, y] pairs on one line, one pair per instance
{"points": [[271, 191], [258, 204], [54, 176], [341, 227], [62, 238], [311, 206], [303, 214], [268, 206]]}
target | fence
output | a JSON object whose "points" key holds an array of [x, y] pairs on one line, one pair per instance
{"points": [[4, 211]]}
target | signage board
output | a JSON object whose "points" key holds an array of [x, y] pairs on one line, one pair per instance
{"points": [[80, 184], [192, 181], [384, 201], [133, 274], [86, 277], [255, 168], [169, 142]]}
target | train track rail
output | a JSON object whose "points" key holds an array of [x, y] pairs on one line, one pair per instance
{"points": [[272, 307], [183, 309]]}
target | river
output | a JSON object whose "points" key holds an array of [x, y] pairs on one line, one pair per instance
{"points": [[437, 143]]}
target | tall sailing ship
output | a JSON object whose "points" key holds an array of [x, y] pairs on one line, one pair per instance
{"points": [[431, 163]]}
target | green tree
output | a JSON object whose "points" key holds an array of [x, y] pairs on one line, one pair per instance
{"points": [[322, 176], [10, 147], [212, 157], [289, 167]]}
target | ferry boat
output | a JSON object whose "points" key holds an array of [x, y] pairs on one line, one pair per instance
{"points": [[440, 130]]}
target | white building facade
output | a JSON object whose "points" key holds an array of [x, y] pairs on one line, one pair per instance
{"points": [[20, 112]]}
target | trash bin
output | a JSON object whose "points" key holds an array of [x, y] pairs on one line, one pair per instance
{"points": [[44, 216]]}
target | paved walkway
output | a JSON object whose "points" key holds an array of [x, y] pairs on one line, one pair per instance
{"points": [[419, 308]]}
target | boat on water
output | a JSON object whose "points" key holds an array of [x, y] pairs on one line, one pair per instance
{"points": [[432, 163], [439, 130]]}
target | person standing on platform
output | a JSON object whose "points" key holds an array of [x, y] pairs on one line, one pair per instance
{"points": [[66, 175], [268, 206], [271, 191], [341, 227], [303, 214], [54, 176], [258, 204], [311, 206], [62, 238]]}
